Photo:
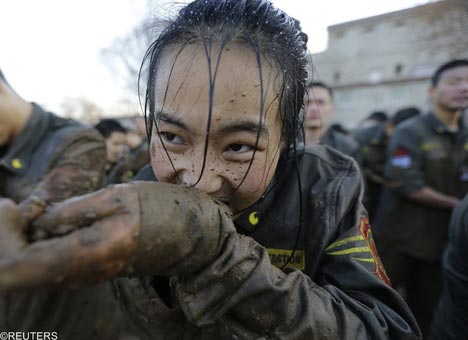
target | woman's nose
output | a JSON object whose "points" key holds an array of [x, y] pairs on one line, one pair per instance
{"points": [[208, 182]]}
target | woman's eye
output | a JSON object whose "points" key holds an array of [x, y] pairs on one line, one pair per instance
{"points": [[240, 148], [172, 138]]}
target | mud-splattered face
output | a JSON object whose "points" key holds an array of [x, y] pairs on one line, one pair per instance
{"points": [[236, 161]]}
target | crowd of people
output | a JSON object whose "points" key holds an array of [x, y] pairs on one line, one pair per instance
{"points": [[239, 211], [415, 168]]}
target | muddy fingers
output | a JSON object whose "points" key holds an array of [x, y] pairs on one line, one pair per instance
{"points": [[88, 255]]}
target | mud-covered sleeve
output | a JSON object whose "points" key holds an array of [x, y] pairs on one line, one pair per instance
{"points": [[403, 167], [244, 295], [77, 165]]}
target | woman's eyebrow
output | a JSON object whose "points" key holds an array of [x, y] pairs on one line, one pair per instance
{"points": [[245, 126], [167, 118]]}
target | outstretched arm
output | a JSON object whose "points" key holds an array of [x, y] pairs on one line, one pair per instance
{"points": [[143, 228]]}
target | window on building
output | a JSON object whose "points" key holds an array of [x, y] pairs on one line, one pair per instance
{"points": [[398, 69], [339, 34], [369, 28], [400, 22], [337, 76]]}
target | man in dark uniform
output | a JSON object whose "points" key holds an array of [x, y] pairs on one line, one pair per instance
{"points": [[451, 318], [319, 110], [428, 167], [373, 143], [43, 154], [45, 159]]}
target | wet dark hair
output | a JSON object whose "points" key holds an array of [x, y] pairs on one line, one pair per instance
{"points": [[404, 114], [378, 116], [445, 67], [322, 85], [108, 126]]}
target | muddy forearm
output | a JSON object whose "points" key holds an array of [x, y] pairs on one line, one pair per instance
{"points": [[180, 230]]}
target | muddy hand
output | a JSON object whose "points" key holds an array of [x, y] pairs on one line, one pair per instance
{"points": [[78, 212], [142, 228], [107, 223]]}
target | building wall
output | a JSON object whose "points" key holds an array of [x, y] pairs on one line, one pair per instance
{"points": [[353, 104], [385, 62]]}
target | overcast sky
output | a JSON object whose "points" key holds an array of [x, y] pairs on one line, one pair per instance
{"points": [[50, 50]]}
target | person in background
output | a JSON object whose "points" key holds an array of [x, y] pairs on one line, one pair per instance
{"points": [[451, 317], [319, 111], [45, 159], [41, 153], [373, 143], [117, 158], [138, 144], [376, 118], [427, 165]]}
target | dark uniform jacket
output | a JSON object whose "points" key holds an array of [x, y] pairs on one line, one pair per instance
{"points": [[451, 318], [332, 285], [373, 143], [422, 153], [341, 142], [70, 158], [46, 143]]}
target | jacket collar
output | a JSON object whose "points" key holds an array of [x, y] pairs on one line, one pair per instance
{"points": [[441, 128], [328, 137], [251, 218], [19, 153]]}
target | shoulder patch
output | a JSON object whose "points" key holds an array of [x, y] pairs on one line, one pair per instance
{"points": [[401, 158], [366, 232]]}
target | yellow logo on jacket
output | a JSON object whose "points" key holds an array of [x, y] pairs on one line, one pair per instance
{"points": [[253, 218], [16, 163]]}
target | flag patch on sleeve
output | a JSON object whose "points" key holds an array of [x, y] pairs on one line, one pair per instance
{"points": [[401, 158]]}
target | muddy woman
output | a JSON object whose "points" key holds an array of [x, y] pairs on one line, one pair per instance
{"points": [[234, 231]]}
